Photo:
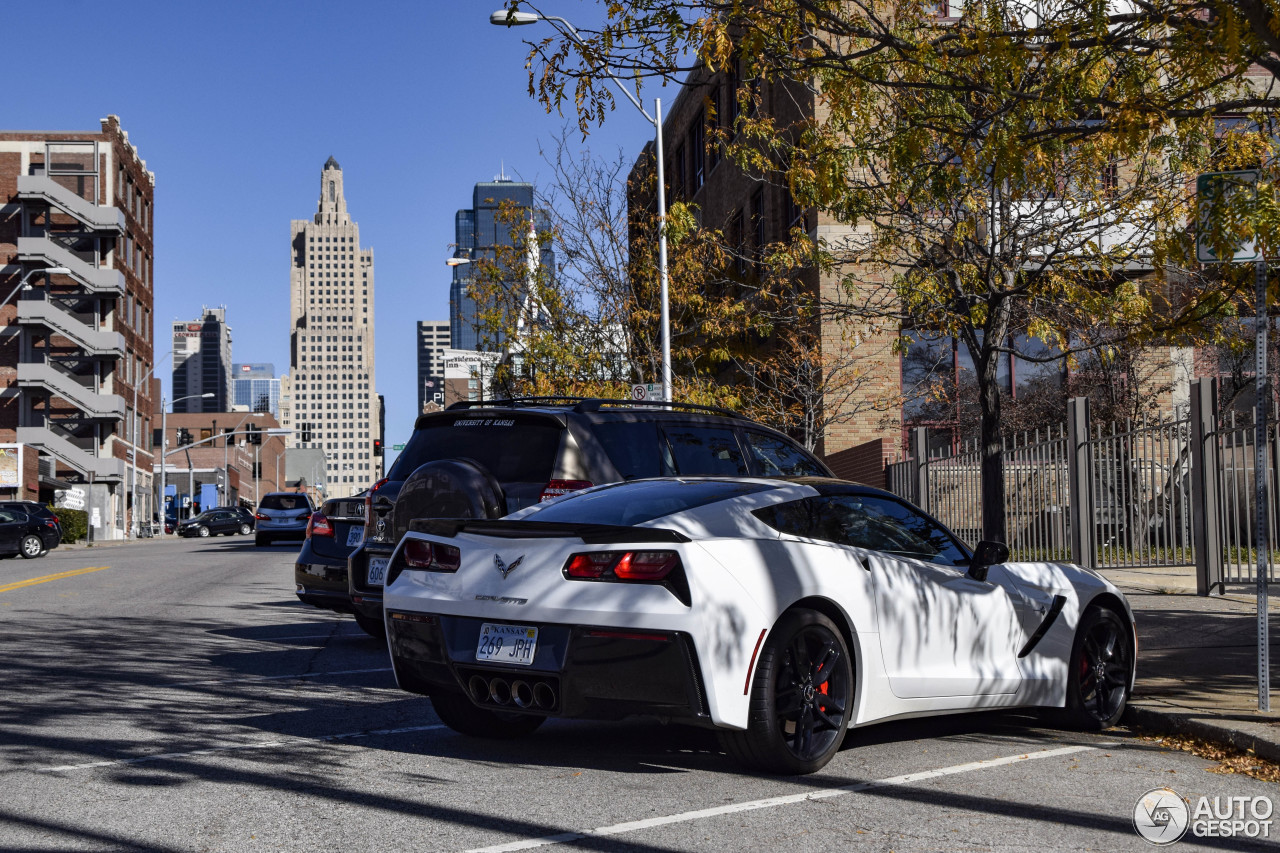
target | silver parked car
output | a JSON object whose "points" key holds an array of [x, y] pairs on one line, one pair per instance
{"points": [[282, 515]]}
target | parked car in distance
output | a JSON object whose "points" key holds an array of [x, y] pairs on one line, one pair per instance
{"points": [[38, 510], [320, 570], [29, 535], [282, 515], [487, 459], [742, 604], [214, 522], [245, 515]]}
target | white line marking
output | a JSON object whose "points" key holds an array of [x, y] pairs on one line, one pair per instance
{"points": [[252, 679], [265, 744], [753, 805]]}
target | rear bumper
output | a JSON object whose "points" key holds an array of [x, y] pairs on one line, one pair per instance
{"points": [[322, 583], [578, 671], [365, 599]]}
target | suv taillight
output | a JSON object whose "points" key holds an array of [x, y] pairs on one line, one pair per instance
{"points": [[557, 488], [368, 508], [319, 525]]}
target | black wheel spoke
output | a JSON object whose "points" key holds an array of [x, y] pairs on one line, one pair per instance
{"points": [[826, 665]]}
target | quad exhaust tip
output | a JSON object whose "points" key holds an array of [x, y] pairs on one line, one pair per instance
{"points": [[539, 695]]}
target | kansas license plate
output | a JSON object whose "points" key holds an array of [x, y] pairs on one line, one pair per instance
{"points": [[377, 570], [354, 535], [507, 643]]}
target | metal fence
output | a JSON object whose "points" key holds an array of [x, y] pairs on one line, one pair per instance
{"points": [[1237, 490], [1169, 492]]}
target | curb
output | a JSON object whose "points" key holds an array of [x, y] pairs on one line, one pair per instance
{"points": [[1245, 736]]}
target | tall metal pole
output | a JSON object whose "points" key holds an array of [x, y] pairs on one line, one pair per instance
{"points": [[1260, 483], [164, 442], [257, 476], [662, 255]]}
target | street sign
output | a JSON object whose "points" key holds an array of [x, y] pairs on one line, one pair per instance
{"points": [[651, 391], [397, 447], [1218, 197]]}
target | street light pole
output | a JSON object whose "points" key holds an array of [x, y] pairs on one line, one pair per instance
{"points": [[516, 18], [133, 445], [22, 285]]}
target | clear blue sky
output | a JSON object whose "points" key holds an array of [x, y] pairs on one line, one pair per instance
{"points": [[236, 106]]}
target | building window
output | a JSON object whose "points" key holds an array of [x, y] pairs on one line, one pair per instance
{"points": [[697, 152]]}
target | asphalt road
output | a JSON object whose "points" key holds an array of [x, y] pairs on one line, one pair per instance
{"points": [[173, 695]]}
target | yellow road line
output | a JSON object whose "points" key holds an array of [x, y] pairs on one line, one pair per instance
{"points": [[47, 578]]}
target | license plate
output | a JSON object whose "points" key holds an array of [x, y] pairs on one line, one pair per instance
{"points": [[377, 570], [507, 643], [354, 535]]}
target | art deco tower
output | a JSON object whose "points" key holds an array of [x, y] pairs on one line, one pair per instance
{"points": [[332, 398]]}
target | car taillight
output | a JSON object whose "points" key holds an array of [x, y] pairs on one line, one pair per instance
{"points": [[431, 556], [260, 516], [556, 488], [319, 525], [643, 566]]}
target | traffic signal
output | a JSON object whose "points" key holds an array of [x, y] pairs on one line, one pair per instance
{"points": [[377, 447], [255, 434], [184, 436]]}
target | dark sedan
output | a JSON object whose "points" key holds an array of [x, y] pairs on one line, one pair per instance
{"points": [[215, 522], [320, 572], [28, 535]]}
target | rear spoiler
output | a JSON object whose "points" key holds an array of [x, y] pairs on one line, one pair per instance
{"points": [[590, 534]]}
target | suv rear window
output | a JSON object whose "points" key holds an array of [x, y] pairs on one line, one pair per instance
{"points": [[706, 451], [298, 501], [635, 503], [517, 449]]}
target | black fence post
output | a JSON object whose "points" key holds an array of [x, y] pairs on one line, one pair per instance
{"points": [[1084, 551], [920, 466], [1205, 532]]}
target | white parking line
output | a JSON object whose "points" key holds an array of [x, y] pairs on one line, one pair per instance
{"points": [[753, 805], [264, 744]]}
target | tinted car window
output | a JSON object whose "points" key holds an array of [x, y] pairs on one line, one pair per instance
{"points": [[634, 448], [706, 451], [298, 501], [636, 503], [10, 515], [878, 524], [777, 457], [520, 451]]}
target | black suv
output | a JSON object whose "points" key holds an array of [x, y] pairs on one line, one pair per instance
{"points": [[488, 459]]}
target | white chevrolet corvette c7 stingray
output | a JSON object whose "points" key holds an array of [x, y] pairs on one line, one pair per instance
{"points": [[779, 612]]}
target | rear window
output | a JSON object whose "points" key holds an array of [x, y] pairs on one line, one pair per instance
{"points": [[298, 501], [635, 503], [519, 450]]}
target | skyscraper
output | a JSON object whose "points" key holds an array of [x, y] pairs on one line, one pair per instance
{"points": [[255, 386], [333, 404], [433, 340], [477, 233], [202, 363]]}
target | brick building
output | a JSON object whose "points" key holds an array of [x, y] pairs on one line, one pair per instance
{"points": [[76, 347], [213, 460]]}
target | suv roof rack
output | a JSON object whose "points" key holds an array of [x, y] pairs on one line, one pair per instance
{"points": [[594, 404]]}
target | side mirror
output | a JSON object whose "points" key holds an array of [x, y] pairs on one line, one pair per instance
{"points": [[987, 554]]}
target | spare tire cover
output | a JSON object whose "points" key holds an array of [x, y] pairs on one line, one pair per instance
{"points": [[447, 488]]}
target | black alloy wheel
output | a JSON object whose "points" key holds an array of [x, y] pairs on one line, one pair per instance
{"points": [[801, 697], [1100, 670], [31, 547]]}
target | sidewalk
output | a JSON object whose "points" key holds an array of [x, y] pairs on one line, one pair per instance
{"points": [[1198, 663]]}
